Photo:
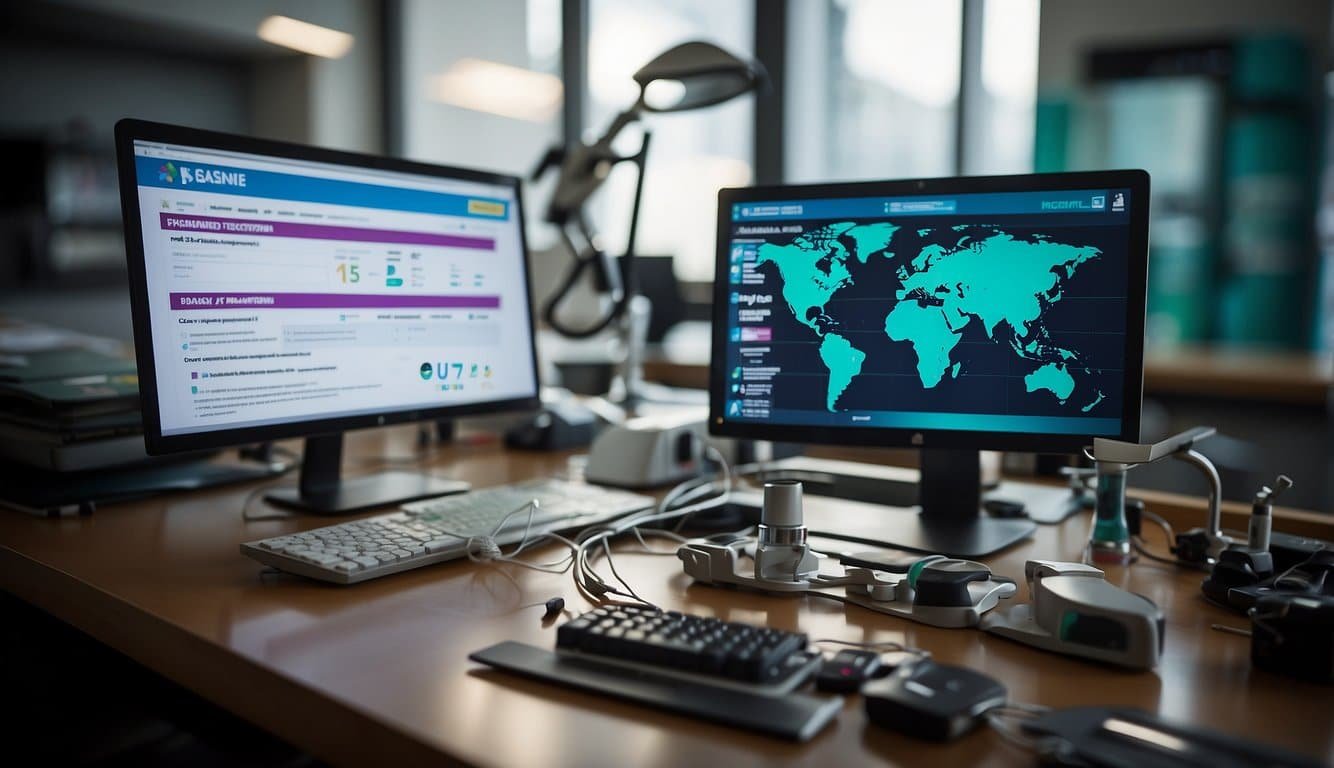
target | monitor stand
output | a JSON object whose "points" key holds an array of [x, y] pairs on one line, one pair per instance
{"points": [[322, 490], [950, 521]]}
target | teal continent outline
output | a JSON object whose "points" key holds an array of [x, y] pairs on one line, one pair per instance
{"points": [[996, 280], [812, 268]]}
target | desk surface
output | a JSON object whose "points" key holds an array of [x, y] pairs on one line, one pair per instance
{"points": [[377, 673]]}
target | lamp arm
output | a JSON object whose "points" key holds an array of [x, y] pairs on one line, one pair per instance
{"points": [[1191, 456], [621, 288]]}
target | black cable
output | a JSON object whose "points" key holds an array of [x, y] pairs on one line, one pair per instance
{"points": [[581, 263]]}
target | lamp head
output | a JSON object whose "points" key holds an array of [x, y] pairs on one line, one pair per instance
{"points": [[694, 75]]}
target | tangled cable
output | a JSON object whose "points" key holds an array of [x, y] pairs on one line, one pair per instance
{"points": [[686, 499]]}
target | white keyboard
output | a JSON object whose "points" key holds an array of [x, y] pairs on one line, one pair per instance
{"points": [[436, 530]]}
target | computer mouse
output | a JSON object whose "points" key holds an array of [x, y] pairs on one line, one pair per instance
{"points": [[944, 583], [1005, 508], [936, 702]]}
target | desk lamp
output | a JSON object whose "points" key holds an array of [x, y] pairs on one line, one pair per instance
{"points": [[687, 77]]}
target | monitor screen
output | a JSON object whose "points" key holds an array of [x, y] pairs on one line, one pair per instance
{"points": [[282, 290], [1000, 312]]}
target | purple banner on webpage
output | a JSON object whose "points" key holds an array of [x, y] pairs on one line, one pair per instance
{"points": [[219, 226], [328, 301]]}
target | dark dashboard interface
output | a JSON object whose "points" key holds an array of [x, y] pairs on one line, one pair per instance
{"points": [[994, 312]]}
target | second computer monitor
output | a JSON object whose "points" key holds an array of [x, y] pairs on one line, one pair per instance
{"points": [[1000, 313], [288, 291]]}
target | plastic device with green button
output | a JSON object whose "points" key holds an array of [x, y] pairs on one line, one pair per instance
{"points": [[1075, 611]]}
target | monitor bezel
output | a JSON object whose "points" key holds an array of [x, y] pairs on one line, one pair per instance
{"points": [[130, 130], [1137, 181]]}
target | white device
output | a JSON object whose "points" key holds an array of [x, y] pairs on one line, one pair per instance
{"points": [[781, 551], [1077, 613], [650, 451], [436, 530], [881, 591]]}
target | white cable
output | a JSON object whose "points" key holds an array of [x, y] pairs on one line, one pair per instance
{"points": [[680, 502], [591, 584], [482, 548]]}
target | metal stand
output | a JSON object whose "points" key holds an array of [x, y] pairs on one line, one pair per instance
{"points": [[322, 490], [950, 521]]}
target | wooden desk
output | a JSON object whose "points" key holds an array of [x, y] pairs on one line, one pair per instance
{"points": [[377, 673]]}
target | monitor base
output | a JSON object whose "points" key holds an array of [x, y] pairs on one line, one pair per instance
{"points": [[884, 525], [906, 529], [357, 494]]}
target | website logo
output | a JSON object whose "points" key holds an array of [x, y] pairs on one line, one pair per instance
{"points": [[426, 371], [167, 172], [211, 176]]}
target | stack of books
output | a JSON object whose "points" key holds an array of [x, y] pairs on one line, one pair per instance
{"points": [[69, 409]]}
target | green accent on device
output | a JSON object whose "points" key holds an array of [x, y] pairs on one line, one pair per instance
{"points": [[1068, 621], [1111, 530], [916, 570]]}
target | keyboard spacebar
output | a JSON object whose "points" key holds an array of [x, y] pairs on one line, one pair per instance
{"points": [[793, 716]]}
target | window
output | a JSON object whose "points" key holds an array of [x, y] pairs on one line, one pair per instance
{"points": [[1001, 116], [872, 89], [691, 155], [482, 89]]}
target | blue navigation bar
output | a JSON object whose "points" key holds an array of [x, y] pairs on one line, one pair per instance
{"points": [[185, 175], [1113, 201]]}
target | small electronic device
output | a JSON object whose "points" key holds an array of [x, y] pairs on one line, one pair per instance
{"points": [[1237, 566], [1075, 611], [1312, 578], [699, 648], [848, 670], [1110, 538], [649, 451], [559, 426], [781, 550], [822, 292], [436, 530], [1289, 550], [931, 701], [935, 590], [1293, 635], [1005, 508], [794, 716], [1248, 563], [1094, 737], [1262, 514], [285, 291]]}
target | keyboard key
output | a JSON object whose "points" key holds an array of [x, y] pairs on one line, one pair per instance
{"points": [[686, 643], [431, 530]]}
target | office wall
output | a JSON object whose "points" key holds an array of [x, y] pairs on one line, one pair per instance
{"points": [[44, 86], [1068, 28], [334, 103]]}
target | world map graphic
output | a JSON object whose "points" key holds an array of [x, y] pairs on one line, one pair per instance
{"points": [[947, 279]]}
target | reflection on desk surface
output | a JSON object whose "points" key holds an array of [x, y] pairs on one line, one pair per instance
{"points": [[380, 669]]}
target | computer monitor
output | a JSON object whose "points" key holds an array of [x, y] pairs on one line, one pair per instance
{"points": [[285, 291], [949, 315]]}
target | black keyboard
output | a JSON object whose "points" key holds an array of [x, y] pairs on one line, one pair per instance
{"points": [[696, 645]]}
